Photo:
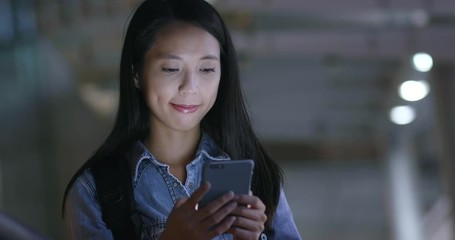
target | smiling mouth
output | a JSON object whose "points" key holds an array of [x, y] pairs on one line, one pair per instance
{"points": [[183, 108]]}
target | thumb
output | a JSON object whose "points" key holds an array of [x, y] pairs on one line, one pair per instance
{"points": [[180, 202]]}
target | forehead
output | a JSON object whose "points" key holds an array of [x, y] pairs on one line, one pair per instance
{"points": [[181, 38]]}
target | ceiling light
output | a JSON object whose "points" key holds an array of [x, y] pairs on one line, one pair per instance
{"points": [[422, 62], [402, 115], [413, 90]]}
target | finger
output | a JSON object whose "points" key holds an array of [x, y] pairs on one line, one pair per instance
{"points": [[222, 227], [219, 215], [180, 202], [198, 194], [248, 224], [250, 200], [253, 214], [216, 205]]}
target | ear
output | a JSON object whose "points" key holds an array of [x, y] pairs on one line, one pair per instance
{"points": [[136, 78], [136, 82]]}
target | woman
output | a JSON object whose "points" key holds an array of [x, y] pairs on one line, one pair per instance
{"points": [[181, 104]]}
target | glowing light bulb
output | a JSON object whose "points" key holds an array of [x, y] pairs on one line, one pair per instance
{"points": [[422, 62], [402, 115], [413, 90]]}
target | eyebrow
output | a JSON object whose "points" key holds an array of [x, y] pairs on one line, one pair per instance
{"points": [[172, 56], [210, 57]]}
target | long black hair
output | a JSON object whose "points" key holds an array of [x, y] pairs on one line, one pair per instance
{"points": [[228, 121]]}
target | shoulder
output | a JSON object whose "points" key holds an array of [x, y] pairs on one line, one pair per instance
{"points": [[82, 211], [84, 185], [82, 198]]}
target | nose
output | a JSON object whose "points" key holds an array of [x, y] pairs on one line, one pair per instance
{"points": [[189, 84]]}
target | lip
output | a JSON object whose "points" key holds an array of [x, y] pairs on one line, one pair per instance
{"points": [[183, 108]]}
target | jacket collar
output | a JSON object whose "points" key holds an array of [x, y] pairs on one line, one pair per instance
{"points": [[141, 156]]}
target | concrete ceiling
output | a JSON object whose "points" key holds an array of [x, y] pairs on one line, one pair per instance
{"points": [[327, 70], [351, 28], [313, 71]]}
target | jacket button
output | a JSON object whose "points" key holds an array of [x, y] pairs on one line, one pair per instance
{"points": [[263, 236], [176, 184]]}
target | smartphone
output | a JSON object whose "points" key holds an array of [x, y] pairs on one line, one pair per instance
{"points": [[225, 176]]}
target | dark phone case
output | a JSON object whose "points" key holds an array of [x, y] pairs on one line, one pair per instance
{"points": [[224, 176]]}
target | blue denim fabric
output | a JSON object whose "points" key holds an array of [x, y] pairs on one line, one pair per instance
{"points": [[155, 190]]}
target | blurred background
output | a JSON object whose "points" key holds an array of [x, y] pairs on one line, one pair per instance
{"points": [[355, 99]]}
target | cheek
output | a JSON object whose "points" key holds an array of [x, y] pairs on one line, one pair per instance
{"points": [[155, 89], [153, 97], [213, 92]]}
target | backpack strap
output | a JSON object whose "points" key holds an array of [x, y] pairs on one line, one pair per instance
{"points": [[115, 194]]}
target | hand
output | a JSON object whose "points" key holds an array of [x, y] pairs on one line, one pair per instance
{"points": [[186, 222], [250, 217]]}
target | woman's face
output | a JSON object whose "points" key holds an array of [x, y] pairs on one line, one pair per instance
{"points": [[181, 76]]}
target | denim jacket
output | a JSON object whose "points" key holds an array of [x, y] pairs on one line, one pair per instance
{"points": [[156, 191]]}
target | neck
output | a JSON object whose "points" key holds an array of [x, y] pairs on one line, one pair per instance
{"points": [[174, 148]]}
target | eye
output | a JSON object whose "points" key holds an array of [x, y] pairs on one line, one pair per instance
{"points": [[169, 70], [207, 70]]}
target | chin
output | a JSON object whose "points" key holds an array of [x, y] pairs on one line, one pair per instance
{"points": [[186, 127]]}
